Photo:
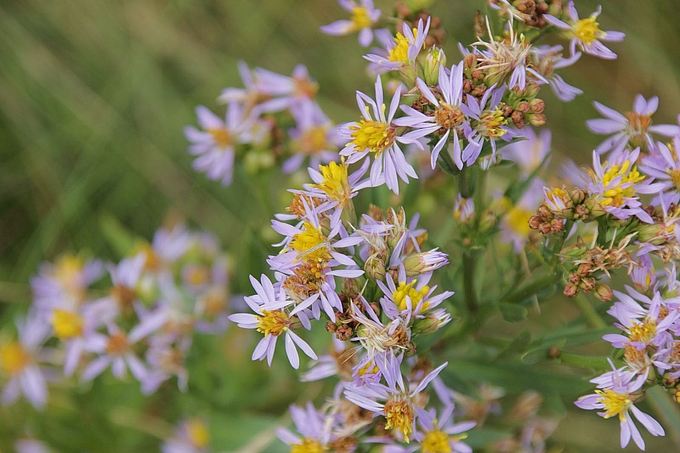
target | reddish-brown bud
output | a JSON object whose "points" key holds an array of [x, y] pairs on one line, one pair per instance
{"points": [[574, 278], [556, 225], [537, 119], [535, 222], [523, 106], [604, 292], [588, 284], [537, 105], [570, 290]]}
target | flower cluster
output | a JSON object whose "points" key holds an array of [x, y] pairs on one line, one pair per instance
{"points": [[142, 317]]}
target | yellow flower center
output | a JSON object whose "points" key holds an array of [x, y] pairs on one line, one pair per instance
{"points": [[399, 413], [587, 30], [360, 18], [67, 271], [558, 197], [404, 290], [643, 332], [305, 87], [14, 358], [335, 182], [371, 135], [491, 122], [308, 446], [614, 403], [615, 196], [198, 433], [369, 368], [198, 275], [312, 246], [449, 117], [436, 442], [518, 220], [399, 53], [221, 136], [67, 324], [313, 141], [273, 322]]}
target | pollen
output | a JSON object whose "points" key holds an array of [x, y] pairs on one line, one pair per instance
{"points": [[312, 246], [587, 30], [614, 403], [372, 135], [407, 290], [302, 203], [491, 122], [221, 136], [643, 332], [625, 177], [400, 414], [449, 117], [273, 322], [67, 324], [198, 433], [14, 358], [360, 18], [308, 446], [436, 442], [399, 53], [335, 182]]}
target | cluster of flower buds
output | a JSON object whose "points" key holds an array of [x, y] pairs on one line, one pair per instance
{"points": [[141, 318]]}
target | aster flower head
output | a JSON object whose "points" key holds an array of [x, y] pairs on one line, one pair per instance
{"points": [[515, 223], [447, 116], [616, 396], [617, 184], [364, 17], [215, 145], [529, 153], [376, 134], [191, 436], [440, 434], [393, 401], [548, 58], [64, 282], [664, 165], [315, 427], [19, 362], [400, 54], [273, 319], [586, 33], [285, 92], [632, 127]]}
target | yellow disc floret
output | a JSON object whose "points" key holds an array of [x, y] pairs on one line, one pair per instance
{"points": [[308, 446], [400, 413], [587, 30], [67, 324], [312, 246], [198, 433], [371, 135], [407, 289], [615, 195], [614, 403], [14, 358], [335, 182], [436, 442], [273, 322], [360, 18], [517, 219], [643, 332], [221, 136]]}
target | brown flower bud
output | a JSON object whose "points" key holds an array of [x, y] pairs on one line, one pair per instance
{"points": [[584, 269], [537, 119], [556, 225], [468, 85], [535, 222], [545, 228], [477, 74], [574, 278], [588, 284], [544, 211], [344, 333], [537, 105], [470, 61], [578, 195], [581, 212], [331, 327], [506, 110], [570, 290], [604, 292], [523, 106], [518, 119]]}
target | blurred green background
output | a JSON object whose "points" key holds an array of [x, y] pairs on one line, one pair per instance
{"points": [[93, 98]]}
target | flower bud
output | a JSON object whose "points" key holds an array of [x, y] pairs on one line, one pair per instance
{"points": [[432, 322], [537, 119], [523, 106], [537, 105], [588, 284], [464, 210], [433, 61], [571, 290], [578, 195], [487, 221], [420, 263], [604, 292], [375, 268]]}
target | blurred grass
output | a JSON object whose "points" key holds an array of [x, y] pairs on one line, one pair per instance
{"points": [[94, 95]]}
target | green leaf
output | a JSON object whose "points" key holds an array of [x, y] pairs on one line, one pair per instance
{"points": [[512, 312]]}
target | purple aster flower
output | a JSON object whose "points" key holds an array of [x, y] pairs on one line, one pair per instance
{"points": [[447, 116], [31, 446], [643, 274], [617, 397], [334, 186], [633, 127], [315, 426], [411, 298], [548, 58], [364, 17], [375, 133], [487, 123], [586, 33], [272, 319], [191, 436], [395, 403], [65, 281], [315, 138], [215, 144], [286, 92], [439, 433], [19, 362], [618, 182], [664, 165], [400, 54]]}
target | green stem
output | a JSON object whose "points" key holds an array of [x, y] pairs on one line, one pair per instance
{"points": [[589, 312], [531, 288], [469, 266]]}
